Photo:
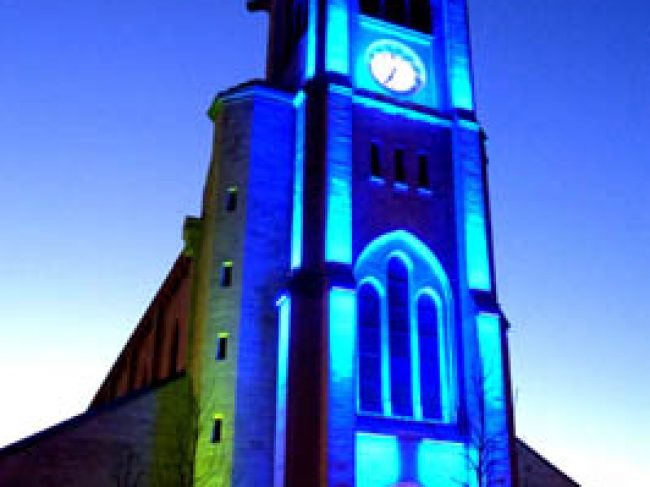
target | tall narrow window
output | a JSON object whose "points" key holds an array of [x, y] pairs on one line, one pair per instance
{"points": [[400, 170], [173, 355], [375, 162], [217, 428], [222, 346], [429, 358], [226, 274], [231, 199], [370, 7], [423, 172], [421, 15], [395, 11], [369, 316], [415, 14], [408, 327], [399, 338]]}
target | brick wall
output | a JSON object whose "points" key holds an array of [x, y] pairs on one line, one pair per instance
{"points": [[159, 338], [132, 439]]}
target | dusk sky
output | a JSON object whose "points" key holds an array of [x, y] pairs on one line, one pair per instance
{"points": [[105, 142]]}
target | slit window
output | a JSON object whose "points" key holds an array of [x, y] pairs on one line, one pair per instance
{"points": [[395, 11], [423, 172], [414, 14], [400, 170], [375, 162], [226, 274], [371, 7], [222, 346], [217, 428], [421, 15], [231, 199]]}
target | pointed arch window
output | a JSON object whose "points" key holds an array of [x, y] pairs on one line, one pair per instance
{"points": [[405, 331], [420, 15], [399, 342], [395, 11], [428, 324], [369, 313], [414, 14]]}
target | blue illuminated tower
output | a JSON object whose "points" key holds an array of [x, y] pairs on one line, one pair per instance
{"points": [[346, 261]]}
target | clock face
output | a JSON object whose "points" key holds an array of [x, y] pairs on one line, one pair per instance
{"points": [[396, 67]]}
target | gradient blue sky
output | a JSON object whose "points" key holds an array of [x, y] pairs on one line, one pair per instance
{"points": [[104, 145]]}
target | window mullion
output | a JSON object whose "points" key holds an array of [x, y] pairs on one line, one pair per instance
{"points": [[385, 358]]}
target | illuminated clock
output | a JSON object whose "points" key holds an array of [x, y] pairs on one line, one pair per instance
{"points": [[395, 66]]}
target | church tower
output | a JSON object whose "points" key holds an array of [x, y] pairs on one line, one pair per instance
{"points": [[345, 330]]}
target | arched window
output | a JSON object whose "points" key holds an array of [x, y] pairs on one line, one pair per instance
{"points": [[429, 357], [421, 15], [399, 341], [369, 312], [414, 14], [405, 331], [395, 11]]}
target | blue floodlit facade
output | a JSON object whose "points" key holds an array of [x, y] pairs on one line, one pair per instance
{"points": [[367, 346]]}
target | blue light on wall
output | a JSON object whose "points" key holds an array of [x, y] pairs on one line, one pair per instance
{"points": [[495, 429], [426, 276], [489, 336], [377, 460], [477, 253], [284, 318], [298, 183], [337, 45], [460, 77], [442, 464], [392, 109], [469, 164], [310, 63], [341, 385], [342, 334], [338, 238], [461, 86]]}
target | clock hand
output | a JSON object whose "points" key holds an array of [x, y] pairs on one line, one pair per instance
{"points": [[391, 75]]}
